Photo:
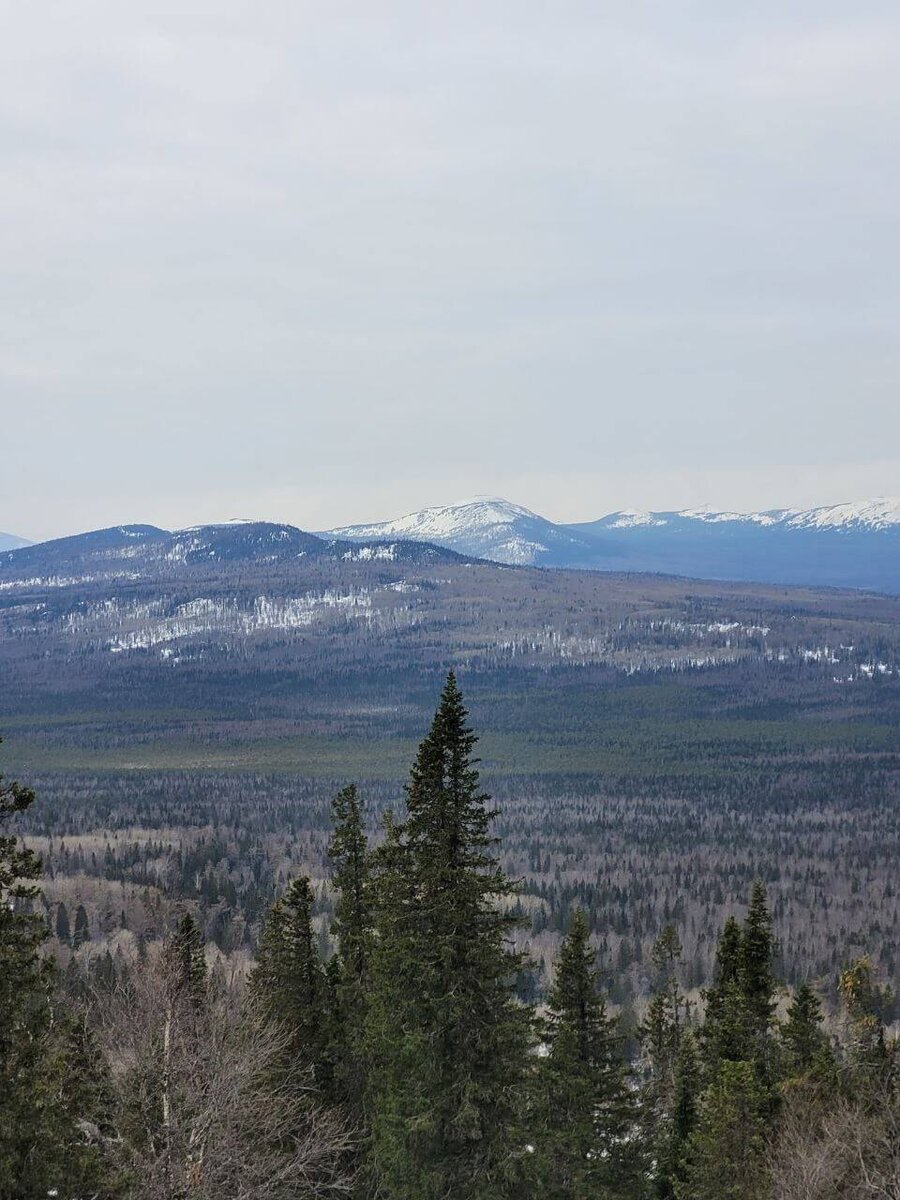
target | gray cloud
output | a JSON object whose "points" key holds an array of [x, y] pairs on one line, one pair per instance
{"points": [[325, 262]]}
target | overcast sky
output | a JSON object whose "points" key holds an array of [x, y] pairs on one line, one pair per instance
{"points": [[330, 262]]}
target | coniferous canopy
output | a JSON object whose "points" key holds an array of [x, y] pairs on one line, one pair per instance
{"points": [[288, 983], [585, 1136], [446, 1035]]}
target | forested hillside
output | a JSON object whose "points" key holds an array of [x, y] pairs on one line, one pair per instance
{"points": [[654, 744], [396, 1051]]}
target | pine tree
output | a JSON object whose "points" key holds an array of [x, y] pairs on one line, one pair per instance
{"points": [[288, 982], [726, 1157], [446, 1037], [585, 1135]]}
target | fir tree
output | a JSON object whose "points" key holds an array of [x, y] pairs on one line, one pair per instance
{"points": [[585, 1136], [446, 1037], [287, 982]]}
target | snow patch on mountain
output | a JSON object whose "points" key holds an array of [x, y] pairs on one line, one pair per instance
{"points": [[442, 523]]}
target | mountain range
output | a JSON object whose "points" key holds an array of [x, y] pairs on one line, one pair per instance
{"points": [[133, 551], [844, 545]]}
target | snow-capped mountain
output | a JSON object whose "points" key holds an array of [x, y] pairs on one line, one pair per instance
{"points": [[865, 515], [843, 545], [486, 527], [9, 541]]}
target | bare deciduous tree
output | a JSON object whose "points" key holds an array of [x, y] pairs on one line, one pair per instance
{"points": [[208, 1108]]}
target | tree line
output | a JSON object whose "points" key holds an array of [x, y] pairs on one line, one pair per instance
{"points": [[405, 1065]]}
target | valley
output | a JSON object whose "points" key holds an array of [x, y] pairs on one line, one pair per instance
{"points": [[186, 706]]}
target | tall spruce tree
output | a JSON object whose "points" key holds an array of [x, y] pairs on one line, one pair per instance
{"points": [[348, 971], [740, 1006], [446, 1038], [757, 980], [662, 1032], [725, 1033], [585, 1137], [670, 1144], [288, 982]]}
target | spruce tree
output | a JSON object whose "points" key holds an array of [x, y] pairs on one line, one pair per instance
{"points": [[348, 971], [726, 1153], [758, 982], [82, 932], [288, 982], [725, 1029], [585, 1136], [43, 1143], [63, 930], [24, 1008], [670, 1146], [662, 1033], [665, 1019], [185, 961], [446, 1037], [349, 852], [806, 1052]]}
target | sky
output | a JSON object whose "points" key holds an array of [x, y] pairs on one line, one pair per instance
{"points": [[334, 262]]}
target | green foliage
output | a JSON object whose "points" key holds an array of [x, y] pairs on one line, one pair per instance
{"points": [[806, 1052], [585, 1137], [673, 1085], [446, 1038], [348, 971], [185, 961], [870, 1060], [726, 1153], [740, 1006], [288, 983]]}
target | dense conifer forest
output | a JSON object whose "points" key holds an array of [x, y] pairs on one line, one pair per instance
{"points": [[399, 1026]]}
